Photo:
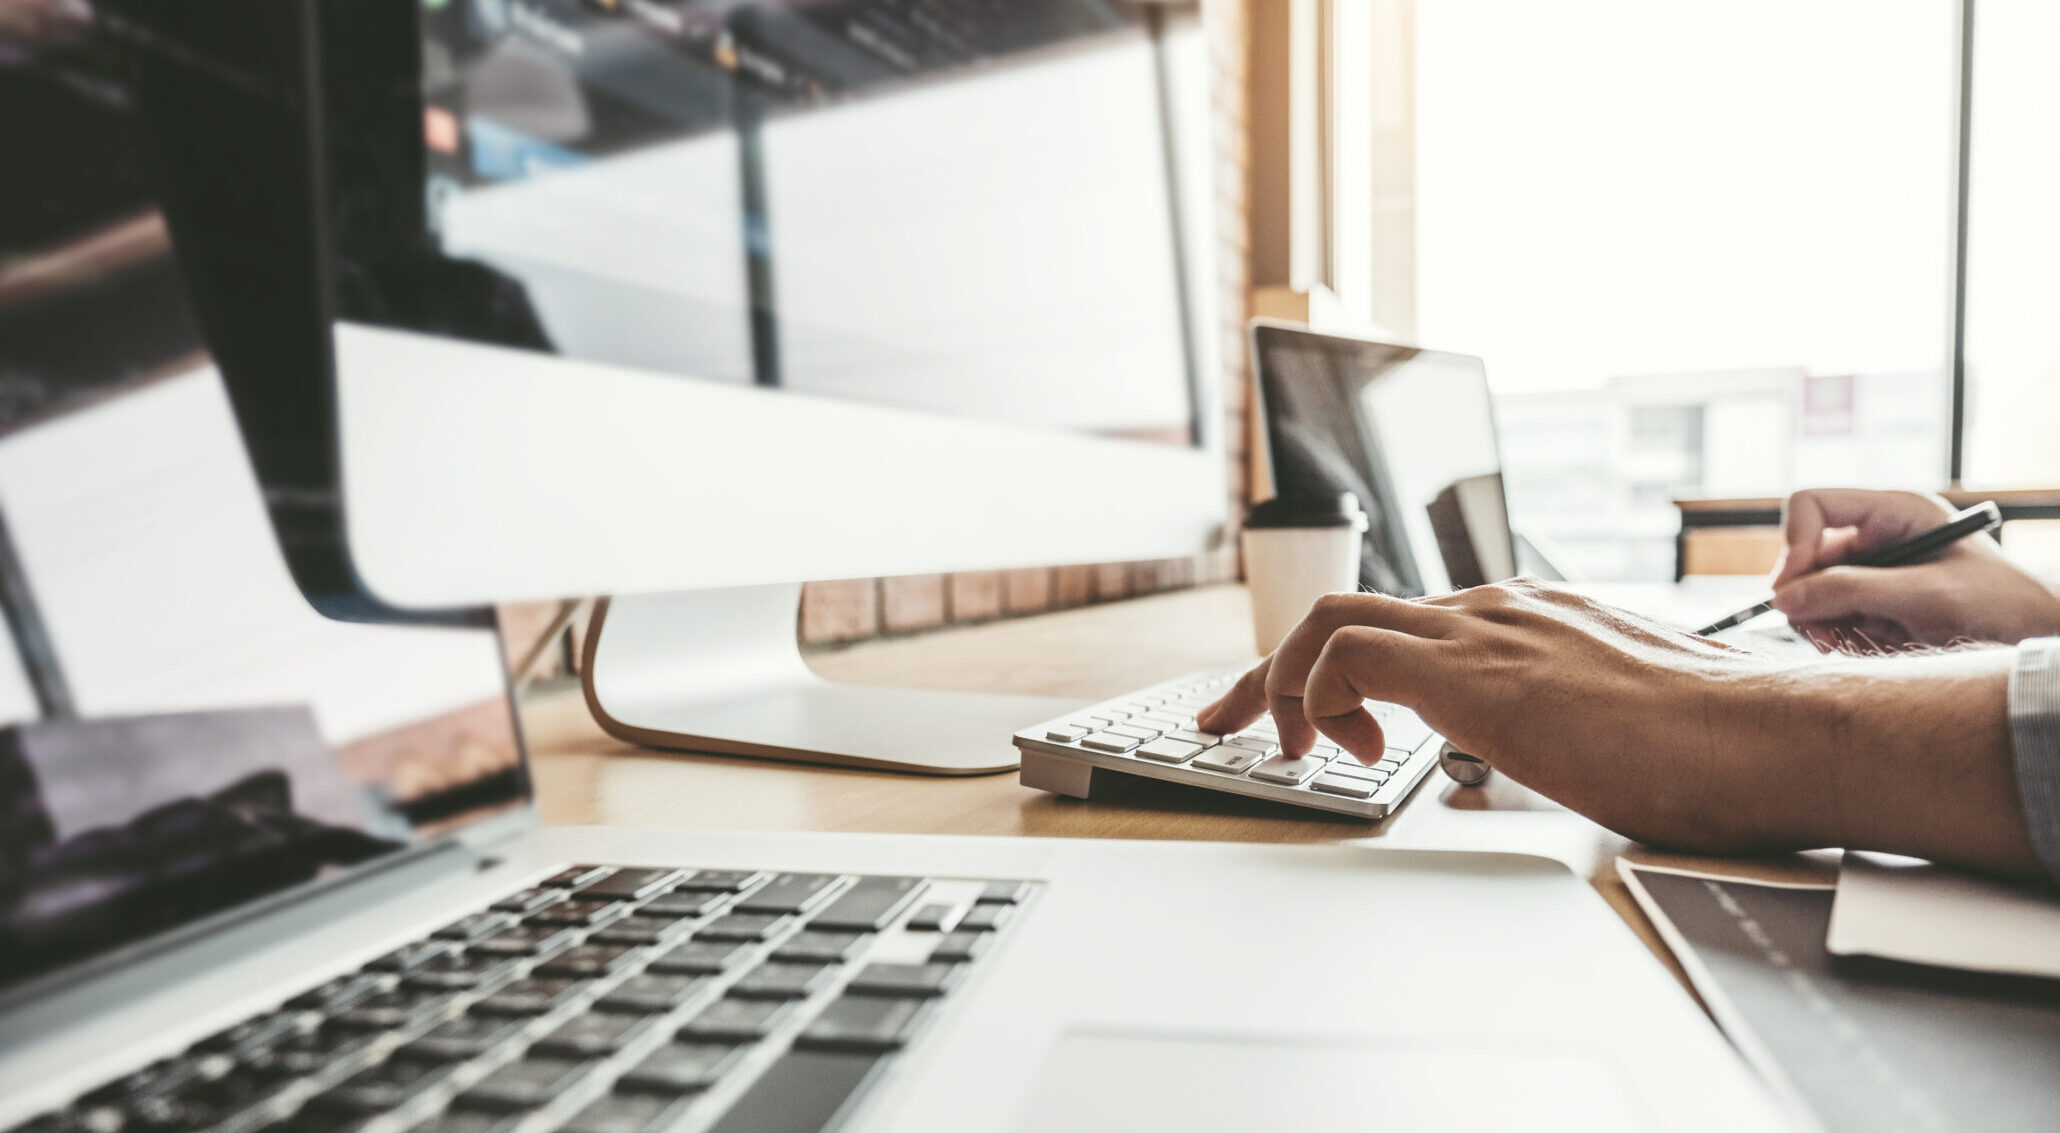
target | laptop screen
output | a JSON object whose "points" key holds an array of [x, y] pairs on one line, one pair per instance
{"points": [[181, 733], [1411, 432]]}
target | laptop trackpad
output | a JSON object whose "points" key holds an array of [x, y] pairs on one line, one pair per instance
{"points": [[1127, 1082]]}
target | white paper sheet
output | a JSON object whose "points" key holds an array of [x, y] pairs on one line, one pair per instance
{"points": [[1904, 909]]}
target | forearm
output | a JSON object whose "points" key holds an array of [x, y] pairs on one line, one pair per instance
{"points": [[1916, 758]]}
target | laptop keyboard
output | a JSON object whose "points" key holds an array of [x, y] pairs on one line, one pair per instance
{"points": [[1153, 733], [602, 1000]]}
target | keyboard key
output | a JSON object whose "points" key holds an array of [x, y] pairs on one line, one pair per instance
{"points": [[462, 972], [1109, 742], [864, 1022], [633, 884], [1065, 734], [788, 893], [386, 1086], [1346, 785], [526, 901], [1004, 893], [1164, 724], [589, 961], [394, 1010], [465, 1037], [580, 911], [916, 980], [529, 997], [933, 918], [1229, 760], [595, 1035], [744, 926], [527, 940], [683, 904], [1389, 765], [577, 877], [307, 1054], [782, 981], [413, 955], [801, 1093], [823, 947], [957, 947], [1133, 731], [1169, 751], [870, 905], [1251, 743], [722, 880], [628, 1113], [700, 957], [261, 1033], [524, 1085], [1287, 769], [986, 917], [1189, 735], [652, 994], [475, 926], [1353, 769], [643, 930], [681, 1068], [343, 991], [738, 1020]]}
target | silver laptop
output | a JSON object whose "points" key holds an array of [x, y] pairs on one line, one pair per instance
{"points": [[269, 868]]}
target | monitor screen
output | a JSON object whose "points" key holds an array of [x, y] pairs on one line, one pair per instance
{"points": [[1411, 432], [965, 209], [181, 733]]}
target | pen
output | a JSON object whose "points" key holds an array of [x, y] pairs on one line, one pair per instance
{"points": [[1981, 517]]}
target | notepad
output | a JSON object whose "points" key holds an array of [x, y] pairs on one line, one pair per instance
{"points": [[1905, 909]]}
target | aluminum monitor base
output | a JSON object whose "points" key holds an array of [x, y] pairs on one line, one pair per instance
{"points": [[720, 671]]}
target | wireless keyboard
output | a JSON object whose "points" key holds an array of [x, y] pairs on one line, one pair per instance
{"points": [[1152, 733]]}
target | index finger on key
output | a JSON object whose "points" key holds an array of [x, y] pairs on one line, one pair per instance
{"points": [[1235, 710], [1287, 677]]}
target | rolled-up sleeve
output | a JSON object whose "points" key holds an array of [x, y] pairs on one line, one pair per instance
{"points": [[2035, 737]]}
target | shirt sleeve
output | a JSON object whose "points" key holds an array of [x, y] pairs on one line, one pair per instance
{"points": [[2035, 738]]}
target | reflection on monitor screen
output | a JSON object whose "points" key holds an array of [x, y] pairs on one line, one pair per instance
{"points": [[180, 732]]}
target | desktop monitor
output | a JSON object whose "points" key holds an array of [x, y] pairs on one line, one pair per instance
{"points": [[689, 301]]}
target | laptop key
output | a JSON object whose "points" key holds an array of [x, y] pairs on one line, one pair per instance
{"points": [[577, 877], [986, 918], [744, 926], [738, 1020], [412, 956], [642, 930], [465, 1037], [788, 893], [824, 947], [933, 918], [463, 973], [870, 905], [529, 997], [395, 1010], [589, 961], [864, 1022], [525, 1085], [961, 946], [1109, 742], [628, 1113], [343, 991], [475, 926], [916, 980], [1004, 893], [782, 981], [528, 940], [389, 1085], [683, 904], [594, 1035], [1289, 770], [254, 1035], [652, 994], [580, 911], [526, 901], [700, 957], [634, 884], [804, 1092], [681, 1067], [723, 880]]}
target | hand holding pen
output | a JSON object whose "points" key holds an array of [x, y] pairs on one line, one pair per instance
{"points": [[1838, 588]]}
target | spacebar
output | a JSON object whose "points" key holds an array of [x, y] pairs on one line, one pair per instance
{"points": [[804, 1092]]}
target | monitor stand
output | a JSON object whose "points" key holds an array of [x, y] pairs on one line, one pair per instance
{"points": [[721, 671]]}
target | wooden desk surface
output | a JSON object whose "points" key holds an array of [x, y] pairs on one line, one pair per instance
{"points": [[585, 777]]}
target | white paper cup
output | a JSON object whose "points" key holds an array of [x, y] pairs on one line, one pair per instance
{"points": [[1296, 551]]}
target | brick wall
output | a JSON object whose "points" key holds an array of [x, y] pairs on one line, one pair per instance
{"points": [[854, 609]]}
